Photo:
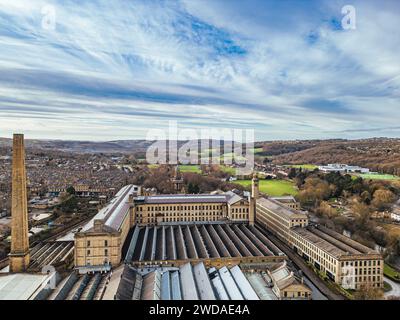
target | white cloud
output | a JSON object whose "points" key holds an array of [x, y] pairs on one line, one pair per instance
{"points": [[159, 60]]}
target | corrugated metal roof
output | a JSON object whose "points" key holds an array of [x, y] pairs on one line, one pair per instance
{"points": [[176, 286], [217, 284], [203, 282], [22, 286], [165, 286], [230, 284], [243, 284], [189, 291], [260, 287]]}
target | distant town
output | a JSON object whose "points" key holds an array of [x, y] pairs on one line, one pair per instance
{"points": [[291, 231]]}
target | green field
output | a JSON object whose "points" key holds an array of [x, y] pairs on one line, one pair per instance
{"points": [[231, 156], [273, 187], [257, 150], [182, 168], [371, 176], [231, 171], [190, 168], [391, 273], [304, 166]]}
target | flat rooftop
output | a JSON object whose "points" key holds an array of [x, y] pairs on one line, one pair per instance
{"points": [[21, 286], [184, 198], [285, 199], [277, 207], [332, 242], [197, 241]]}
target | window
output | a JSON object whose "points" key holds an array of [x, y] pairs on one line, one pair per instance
{"points": [[106, 243], [88, 252], [88, 243], [106, 252]]}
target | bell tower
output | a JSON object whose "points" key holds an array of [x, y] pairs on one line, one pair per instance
{"points": [[177, 180], [19, 255], [253, 199], [255, 191]]}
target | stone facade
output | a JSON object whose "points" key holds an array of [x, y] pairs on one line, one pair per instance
{"points": [[343, 260], [102, 243], [190, 208], [19, 255], [98, 246]]}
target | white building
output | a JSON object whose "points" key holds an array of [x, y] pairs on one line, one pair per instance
{"points": [[338, 167], [395, 216]]}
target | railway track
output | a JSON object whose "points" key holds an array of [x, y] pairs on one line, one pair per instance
{"points": [[68, 229], [4, 262]]}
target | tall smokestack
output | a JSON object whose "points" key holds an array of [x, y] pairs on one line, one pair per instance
{"points": [[19, 255]]}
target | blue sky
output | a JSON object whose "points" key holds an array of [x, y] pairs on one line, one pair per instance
{"points": [[114, 69]]}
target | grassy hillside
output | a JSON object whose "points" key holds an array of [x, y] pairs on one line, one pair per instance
{"points": [[190, 168], [369, 176], [273, 187], [378, 154]]}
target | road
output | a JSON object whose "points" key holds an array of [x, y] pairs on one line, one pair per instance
{"points": [[315, 294], [395, 288], [300, 263]]}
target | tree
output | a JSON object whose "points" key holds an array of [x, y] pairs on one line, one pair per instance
{"points": [[393, 248], [382, 199], [71, 190], [325, 209], [292, 173], [300, 179], [70, 205], [362, 211], [193, 188], [357, 185], [366, 197], [367, 292]]}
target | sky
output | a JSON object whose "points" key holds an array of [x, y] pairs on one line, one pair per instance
{"points": [[107, 70]]}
